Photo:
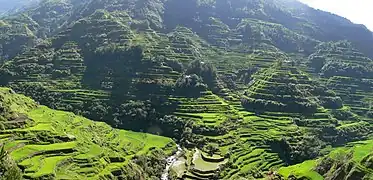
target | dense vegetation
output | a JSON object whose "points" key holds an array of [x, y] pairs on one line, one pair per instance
{"points": [[245, 87], [53, 144]]}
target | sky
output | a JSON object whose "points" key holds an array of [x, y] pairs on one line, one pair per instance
{"points": [[358, 11]]}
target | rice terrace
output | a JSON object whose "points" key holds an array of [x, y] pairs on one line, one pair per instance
{"points": [[183, 90]]}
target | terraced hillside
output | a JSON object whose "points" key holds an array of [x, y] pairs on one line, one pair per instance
{"points": [[16, 36], [47, 144], [245, 87], [251, 138], [350, 162], [347, 71], [228, 136]]}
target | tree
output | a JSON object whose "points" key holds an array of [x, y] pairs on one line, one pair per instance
{"points": [[134, 115], [190, 85], [173, 126], [212, 149], [317, 62], [307, 148], [98, 111], [8, 168], [206, 71]]}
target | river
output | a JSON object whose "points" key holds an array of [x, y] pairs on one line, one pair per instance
{"points": [[170, 162]]}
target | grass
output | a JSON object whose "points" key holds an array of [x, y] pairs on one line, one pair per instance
{"points": [[254, 153], [30, 150], [359, 149], [146, 141], [89, 139], [16, 102], [207, 110], [362, 150], [40, 127], [48, 165], [12, 144], [94, 151], [202, 165], [32, 164], [304, 169], [62, 144]]}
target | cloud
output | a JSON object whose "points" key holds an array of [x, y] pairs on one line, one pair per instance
{"points": [[358, 11]]}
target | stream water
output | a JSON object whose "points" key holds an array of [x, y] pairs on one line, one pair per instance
{"points": [[170, 161]]}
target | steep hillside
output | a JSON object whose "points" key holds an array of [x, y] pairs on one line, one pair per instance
{"points": [[245, 87], [287, 24], [347, 71], [47, 144], [351, 162]]}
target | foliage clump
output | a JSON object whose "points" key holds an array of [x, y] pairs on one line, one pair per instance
{"points": [[8, 168]]}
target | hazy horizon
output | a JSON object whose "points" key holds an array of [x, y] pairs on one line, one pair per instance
{"points": [[358, 11]]}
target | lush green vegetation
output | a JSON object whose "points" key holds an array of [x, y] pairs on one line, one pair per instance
{"points": [[351, 162], [249, 89], [46, 143], [8, 168]]}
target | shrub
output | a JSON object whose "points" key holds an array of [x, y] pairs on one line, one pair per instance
{"points": [[307, 148], [343, 114], [190, 85], [206, 71], [8, 168], [134, 115]]}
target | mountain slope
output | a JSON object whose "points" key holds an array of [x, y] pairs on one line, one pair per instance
{"points": [[47, 143], [290, 25], [352, 162], [244, 86]]}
